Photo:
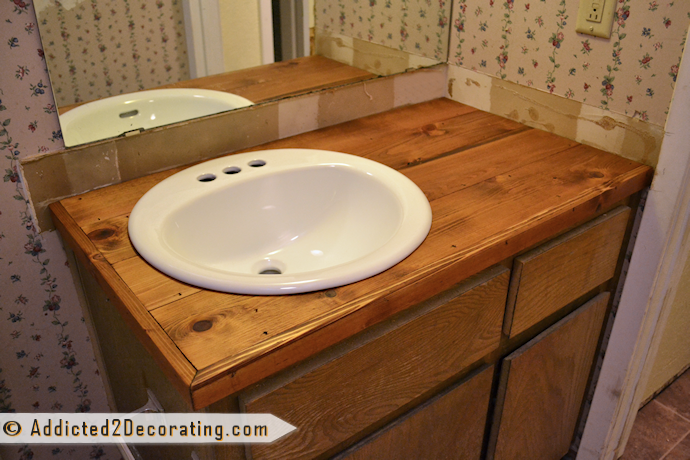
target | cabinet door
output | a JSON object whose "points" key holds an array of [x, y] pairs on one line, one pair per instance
{"points": [[449, 426], [542, 386], [547, 278], [339, 401]]}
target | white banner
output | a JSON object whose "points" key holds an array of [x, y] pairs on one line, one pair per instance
{"points": [[144, 428]]}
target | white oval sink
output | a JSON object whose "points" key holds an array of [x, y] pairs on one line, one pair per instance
{"points": [[114, 116], [280, 221]]}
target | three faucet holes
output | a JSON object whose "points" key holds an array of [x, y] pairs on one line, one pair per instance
{"points": [[208, 177]]}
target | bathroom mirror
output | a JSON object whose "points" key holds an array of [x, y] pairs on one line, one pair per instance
{"points": [[101, 48]]}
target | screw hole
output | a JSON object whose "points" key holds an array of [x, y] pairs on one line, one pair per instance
{"points": [[232, 170], [206, 177], [256, 163]]}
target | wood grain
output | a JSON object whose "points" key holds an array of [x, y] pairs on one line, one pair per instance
{"points": [[547, 278], [339, 399], [273, 81], [542, 386], [496, 188], [450, 426]]}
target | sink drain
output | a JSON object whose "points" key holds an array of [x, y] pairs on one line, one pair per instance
{"points": [[268, 267]]}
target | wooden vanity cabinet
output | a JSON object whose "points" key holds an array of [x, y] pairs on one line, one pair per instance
{"points": [[418, 385], [373, 378]]}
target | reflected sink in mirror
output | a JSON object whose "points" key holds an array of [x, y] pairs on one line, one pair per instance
{"points": [[280, 221], [127, 113]]}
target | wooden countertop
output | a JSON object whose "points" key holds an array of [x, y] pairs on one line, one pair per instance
{"points": [[273, 81], [496, 187]]}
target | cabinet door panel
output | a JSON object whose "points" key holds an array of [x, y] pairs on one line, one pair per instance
{"points": [[450, 426], [336, 401], [549, 277], [542, 386]]}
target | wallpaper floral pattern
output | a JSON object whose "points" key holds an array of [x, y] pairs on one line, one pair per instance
{"points": [[100, 48], [415, 26], [534, 43], [46, 360]]}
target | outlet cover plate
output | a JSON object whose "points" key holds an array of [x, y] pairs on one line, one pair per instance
{"points": [[598, 29]]}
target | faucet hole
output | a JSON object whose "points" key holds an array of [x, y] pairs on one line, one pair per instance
{"points": [[232, 170], [270, 271], [256, 163], [206, 177]]}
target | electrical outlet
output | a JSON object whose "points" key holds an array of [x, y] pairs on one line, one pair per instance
{"points": [[595, 17], [594, 12]]}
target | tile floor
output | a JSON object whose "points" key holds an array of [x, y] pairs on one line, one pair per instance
{"points": [[662, 427]]}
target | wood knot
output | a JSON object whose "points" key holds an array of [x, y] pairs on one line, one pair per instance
{"points": [[433, 130], [201, 326], [331, 293], [596, 175], [101, 234]]}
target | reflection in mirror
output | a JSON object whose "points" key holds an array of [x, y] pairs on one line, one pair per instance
{"points": [[104, 48]]}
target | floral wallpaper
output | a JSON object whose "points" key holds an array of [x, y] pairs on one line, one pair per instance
{"points": [[100, 48], [415, 26], [534, 43], [46, 360]]}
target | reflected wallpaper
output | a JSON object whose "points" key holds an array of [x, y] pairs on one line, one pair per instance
{"points": [[100, 48], [415, 26]]}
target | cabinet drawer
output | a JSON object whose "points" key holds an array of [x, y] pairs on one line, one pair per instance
{"points": [[339, 399], [449, 426], [542, 386], [549, 277]]}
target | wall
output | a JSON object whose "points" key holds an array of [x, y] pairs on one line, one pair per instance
{"points": [[101, 48], [673, 355], [46, 358], [513, 57], [241, 34]]}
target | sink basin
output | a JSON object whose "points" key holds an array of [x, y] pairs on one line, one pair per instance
{"points": [[114, 116], [280, 221]]}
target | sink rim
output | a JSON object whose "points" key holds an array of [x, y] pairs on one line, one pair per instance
{"points": [[148, 217]]}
